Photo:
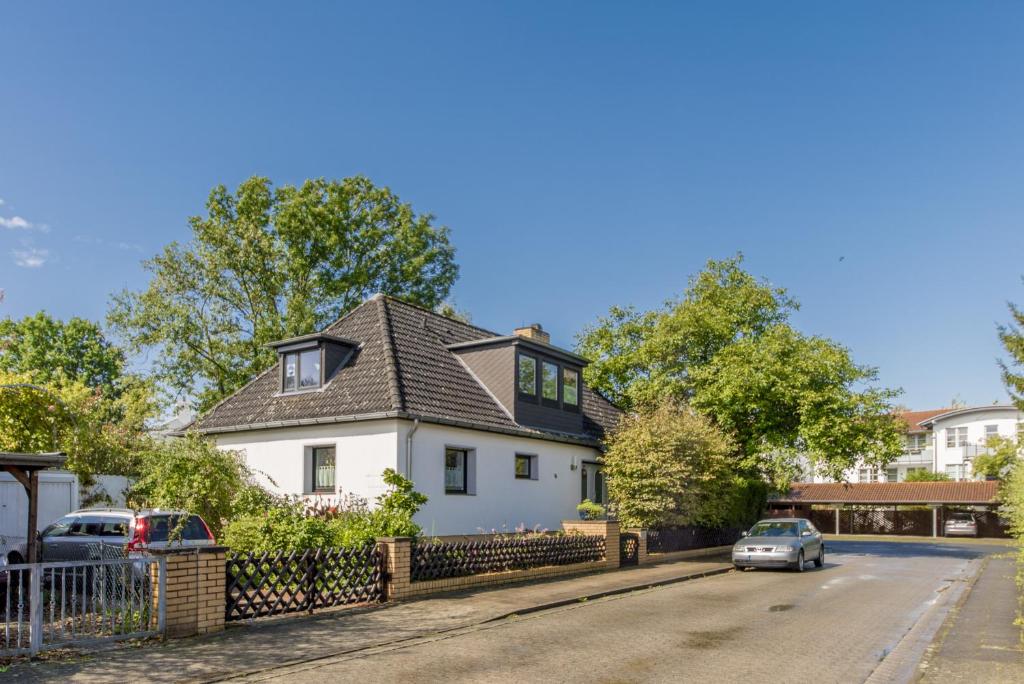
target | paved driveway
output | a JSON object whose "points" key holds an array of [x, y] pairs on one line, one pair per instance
{"points": [[829, 625]]}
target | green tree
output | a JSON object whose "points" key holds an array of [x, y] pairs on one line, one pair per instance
{"points": [[670, 465], [266, 264], [51, 350], [1012, 337], [727, 348], [99, 433], [193, 475], [1003, 456], [922, 475]]}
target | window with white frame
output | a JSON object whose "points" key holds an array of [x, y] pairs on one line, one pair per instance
{"points": [[991, 431], [916, 442], [866, 475], [892, 474], [955, 471], [956, 437]]}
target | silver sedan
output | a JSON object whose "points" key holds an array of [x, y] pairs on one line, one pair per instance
{"points": [[780, 543]]}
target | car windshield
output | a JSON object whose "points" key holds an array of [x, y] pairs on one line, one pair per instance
{"points": [[774, 529]]}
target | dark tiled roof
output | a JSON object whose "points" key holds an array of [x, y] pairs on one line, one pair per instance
{"points": [[401, 368], [966, 492]]}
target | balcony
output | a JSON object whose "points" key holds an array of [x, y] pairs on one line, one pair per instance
{"points": [[915, 457]]}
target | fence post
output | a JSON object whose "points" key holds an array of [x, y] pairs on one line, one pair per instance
{"points": [[161, 599], [397, 553], [35, 610], [309, 579], [641, 545], [609, 529]]}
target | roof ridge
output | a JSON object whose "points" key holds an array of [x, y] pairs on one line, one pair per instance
{"points": [[394, 384], [380, 295]]}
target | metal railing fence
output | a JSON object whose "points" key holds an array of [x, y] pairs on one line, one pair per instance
{"points": [[77, 603]]}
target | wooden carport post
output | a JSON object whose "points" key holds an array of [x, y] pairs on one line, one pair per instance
{"points": [[25, 469]]}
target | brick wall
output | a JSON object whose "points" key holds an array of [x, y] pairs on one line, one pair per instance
{"points": [[194, 591]]}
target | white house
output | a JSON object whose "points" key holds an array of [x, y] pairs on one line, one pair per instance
{"points": [[945, 441], [496, 430]]}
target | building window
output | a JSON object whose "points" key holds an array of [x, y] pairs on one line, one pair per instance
{"points": [[892, 474], [955, 471], [991, 431], [525, 467], [549, 383], [302, 370], [570, 390], [866, 475], [956, 437], [456, 471], [528, 377], [916, 442], [323, 469]]}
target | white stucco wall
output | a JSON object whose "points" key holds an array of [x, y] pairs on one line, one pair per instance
{"points": [[500, 499], [365, 449], [280, 456], [1005, 418]]}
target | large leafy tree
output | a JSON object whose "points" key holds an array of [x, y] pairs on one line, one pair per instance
{"points": [[50, 350], [1012, 337], [98, 432], [669, 465], [265, 264], [727, 348]]}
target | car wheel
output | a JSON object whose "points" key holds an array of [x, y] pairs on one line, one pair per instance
{"points": [[820, 560], [799, 566]]}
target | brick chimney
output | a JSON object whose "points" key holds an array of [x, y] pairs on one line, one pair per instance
{"points": [[533, 332]]}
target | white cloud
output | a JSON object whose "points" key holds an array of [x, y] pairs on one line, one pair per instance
{"points": [[31, 257], [15, 223]]}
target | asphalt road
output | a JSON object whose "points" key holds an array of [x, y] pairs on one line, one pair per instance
{"points": [[833, 624]]}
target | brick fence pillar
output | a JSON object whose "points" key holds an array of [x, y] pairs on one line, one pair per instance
{"points": [[194, 591], [609, 529], [641, 546], [397, 553]]}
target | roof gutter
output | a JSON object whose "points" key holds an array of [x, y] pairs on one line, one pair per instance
{"points": [[403, 415]]}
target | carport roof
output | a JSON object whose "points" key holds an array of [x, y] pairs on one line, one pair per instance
{"points": [[972, 492]]}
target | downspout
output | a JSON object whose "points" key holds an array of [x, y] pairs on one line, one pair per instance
{"points": [[408, 447]]}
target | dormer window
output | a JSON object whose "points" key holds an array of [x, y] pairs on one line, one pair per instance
{"points": [[302, 370], [570, 390], [528, 377], [549, 383], [309, 362]]}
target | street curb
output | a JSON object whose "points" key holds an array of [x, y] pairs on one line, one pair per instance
{"points": [[222, 677]]}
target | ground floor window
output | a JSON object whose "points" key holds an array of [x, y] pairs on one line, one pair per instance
{"points": [[956, 471], [323, 469], [456, 471], [524, 467]]}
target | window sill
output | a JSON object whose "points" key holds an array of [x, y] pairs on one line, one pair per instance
{"points": [[457, 493]]}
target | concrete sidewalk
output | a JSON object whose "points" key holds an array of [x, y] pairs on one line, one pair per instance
{"points": [[980, 641], [278, 642]]}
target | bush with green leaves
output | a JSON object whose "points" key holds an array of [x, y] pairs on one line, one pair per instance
{"points": [[923, 475], [193, 475], [589, 510], [672, 466], [291, 524], [1002, 457]]}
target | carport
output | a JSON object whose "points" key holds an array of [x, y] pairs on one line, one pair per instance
{"points": [[911, 508], [25, 469]]}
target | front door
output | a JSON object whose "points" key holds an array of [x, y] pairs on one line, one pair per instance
{"points": [[592, 484]]}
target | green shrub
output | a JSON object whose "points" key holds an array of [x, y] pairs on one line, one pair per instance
{"points": [[589, 510], [925, 476], [290, 524]]}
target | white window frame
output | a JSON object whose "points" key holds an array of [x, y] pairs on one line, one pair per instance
{"points": [[956, 437]]}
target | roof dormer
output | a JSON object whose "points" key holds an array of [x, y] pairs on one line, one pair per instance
{"points": [[539, 384], [309, 362]]}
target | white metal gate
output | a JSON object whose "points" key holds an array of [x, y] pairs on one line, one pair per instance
{"points": [[76, 603]]}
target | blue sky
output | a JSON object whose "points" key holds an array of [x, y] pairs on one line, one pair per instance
{"points": [[869, 157]]}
